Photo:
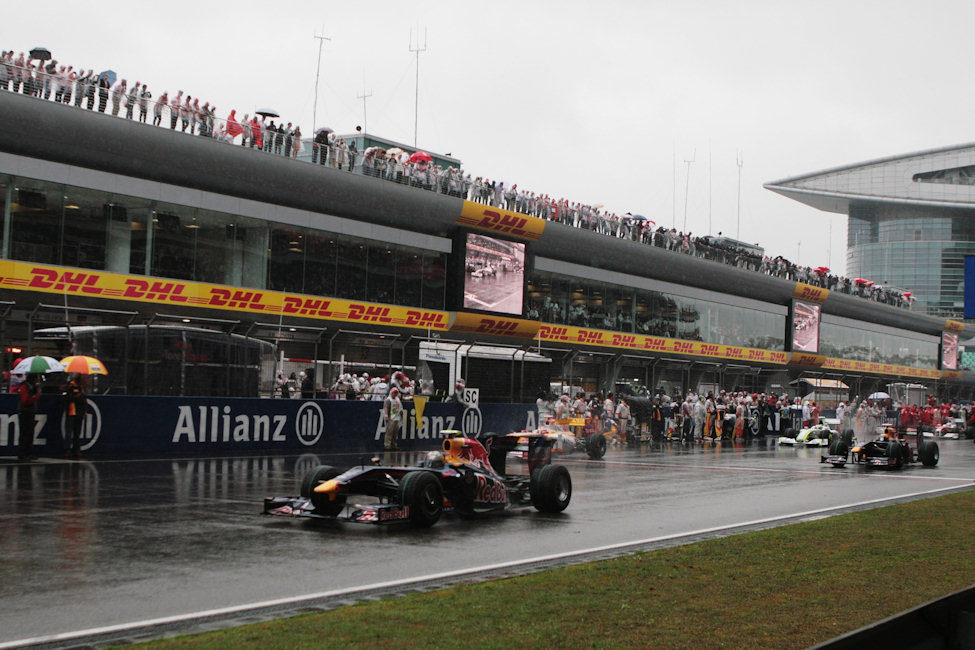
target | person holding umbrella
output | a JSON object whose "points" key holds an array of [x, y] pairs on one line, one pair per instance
{"points": [[75, 410], [28, 393]]}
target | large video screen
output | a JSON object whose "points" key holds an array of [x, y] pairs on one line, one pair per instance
{"points": [[805, 327], [494, 275], [949, 351]]}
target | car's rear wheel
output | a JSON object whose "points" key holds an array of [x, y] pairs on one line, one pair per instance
{"points": [[789, 433], [596, 446], [929, 453], [422, 492], [838, 448], [847, 437], [551, 488], [323, 505]]}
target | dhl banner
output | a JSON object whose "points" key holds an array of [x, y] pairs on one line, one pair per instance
{"points": [[881, 368], [954, 326], [100, 284], [25, 276], [563, 333], [806, 359], [502, 222], [493, 325], [811, 293]]}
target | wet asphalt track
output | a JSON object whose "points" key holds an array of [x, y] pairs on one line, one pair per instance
{"points": [[112, 543]]}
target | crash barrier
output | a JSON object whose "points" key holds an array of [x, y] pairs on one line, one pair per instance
{"points": [[947, 622], [123, 426]]}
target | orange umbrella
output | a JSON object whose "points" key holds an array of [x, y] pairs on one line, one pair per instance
{"points": [[84, 365]]}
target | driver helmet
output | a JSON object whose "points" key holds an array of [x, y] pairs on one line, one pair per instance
{"points": [[435, 459]]}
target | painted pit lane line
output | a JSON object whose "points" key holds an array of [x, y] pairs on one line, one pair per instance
{"points": [[824, 471], [341, 596]]}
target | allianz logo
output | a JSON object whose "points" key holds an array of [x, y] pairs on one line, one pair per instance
{"points": [[201, 424], [90, 431]]}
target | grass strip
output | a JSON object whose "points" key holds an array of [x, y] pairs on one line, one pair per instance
{"points": [[787, 587]]}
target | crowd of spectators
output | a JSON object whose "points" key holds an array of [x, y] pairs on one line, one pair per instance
{"points": [[46, 79]]}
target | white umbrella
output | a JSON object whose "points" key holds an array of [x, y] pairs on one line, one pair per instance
{"points": [[880, 395], [324, 129], [37, 364]]}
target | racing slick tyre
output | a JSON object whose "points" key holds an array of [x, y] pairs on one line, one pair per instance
{"points": [[422, 492], [929, 453], [896, 451], [551, 488], [323, 505], [596, 446], [789, 433], [847, 437], [838, 448]]}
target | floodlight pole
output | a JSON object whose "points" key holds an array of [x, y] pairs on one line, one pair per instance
{"points": [[739, 161], [416, 104], [318, 70], [687, 185], [365, 121]]}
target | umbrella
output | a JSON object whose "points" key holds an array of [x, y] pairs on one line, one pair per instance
{"points": [[267, 112], [109, 75], [863, 281], [37, 364], [421, 156], [878, 396], [639, 217], [41, 53], [322, 129], [84, 365], [907, 294], [822, 270]]}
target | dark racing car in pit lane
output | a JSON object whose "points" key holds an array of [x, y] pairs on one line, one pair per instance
{"points": [[887, 450], [466, 477]]}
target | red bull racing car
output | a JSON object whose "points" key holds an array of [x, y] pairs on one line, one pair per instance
{"points": [[465, 477], [887, 450]]}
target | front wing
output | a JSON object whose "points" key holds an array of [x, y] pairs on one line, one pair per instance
{"points": [[375, 513]]}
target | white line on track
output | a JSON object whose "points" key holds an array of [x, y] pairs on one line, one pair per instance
{"points": [[824, 471], [447, 575]]}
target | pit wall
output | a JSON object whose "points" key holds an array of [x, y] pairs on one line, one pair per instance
{"points": [[127, 426]]}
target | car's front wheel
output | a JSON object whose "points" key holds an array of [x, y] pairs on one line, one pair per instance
{"points": [[323, 505], [422, 492]]}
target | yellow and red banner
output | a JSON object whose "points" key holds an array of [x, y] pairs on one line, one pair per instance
{"points": [[806, 359], [501, 222], [954, 326], [493, 325], [182, 293], [880, 368], [811, 293]]}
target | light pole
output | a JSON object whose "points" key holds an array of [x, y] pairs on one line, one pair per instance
{"points": [[417, 49], [318, 70], [687, 184], [739, 161]]}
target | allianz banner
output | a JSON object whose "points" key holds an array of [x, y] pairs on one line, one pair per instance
{"points": [[129, 426]]}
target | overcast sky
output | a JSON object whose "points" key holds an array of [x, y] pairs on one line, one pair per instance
{"points": [[599, 102]]}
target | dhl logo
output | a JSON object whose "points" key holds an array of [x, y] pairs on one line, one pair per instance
{"points": [[307, 306], [736, 353], [683, 347], [809, 292], [592, 338], [506, 223], [236, 299], [501, 221], [425, 319], [496, 327], [710, 350], [550, 333], [369, 313], [654, 344], [777, 357], [154, 290], [64, 281], [624, 341]]}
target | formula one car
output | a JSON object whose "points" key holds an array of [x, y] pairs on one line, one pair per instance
{"points": [[566, 435], [815, 436], [887, 450], [466, 477]]}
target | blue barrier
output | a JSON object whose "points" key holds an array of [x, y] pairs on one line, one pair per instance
{"points": [[120, 426]]}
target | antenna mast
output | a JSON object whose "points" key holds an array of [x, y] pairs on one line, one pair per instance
{"points": [[417, 49], [739, 161], [363, 96], [321, 42], [687, 184]]}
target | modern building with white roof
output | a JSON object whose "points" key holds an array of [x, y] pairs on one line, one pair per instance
{"points": [[911, 220]]}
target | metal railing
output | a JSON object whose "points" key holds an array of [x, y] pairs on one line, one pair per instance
{"points": [[187, 116]]}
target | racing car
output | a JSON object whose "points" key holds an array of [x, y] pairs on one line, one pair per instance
{"points": [[566, 435], [887, 450], [465, 477], [814, 436]]}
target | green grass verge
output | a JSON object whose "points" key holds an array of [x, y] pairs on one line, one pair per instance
{"points": [[788, 587]]}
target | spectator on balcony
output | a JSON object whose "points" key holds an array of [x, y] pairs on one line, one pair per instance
{"points": [[144, 96], [118, 93], [131, 99], [157, 108], [104, 86]]}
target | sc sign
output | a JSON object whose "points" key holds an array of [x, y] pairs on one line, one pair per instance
{"points": [[472, 397]]}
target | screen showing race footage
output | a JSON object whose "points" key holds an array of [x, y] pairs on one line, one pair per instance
{"points": [[805, 327], [949, 351], [494, 275]]}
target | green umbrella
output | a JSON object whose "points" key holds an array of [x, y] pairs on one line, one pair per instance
{"points": [[37, 364]]}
